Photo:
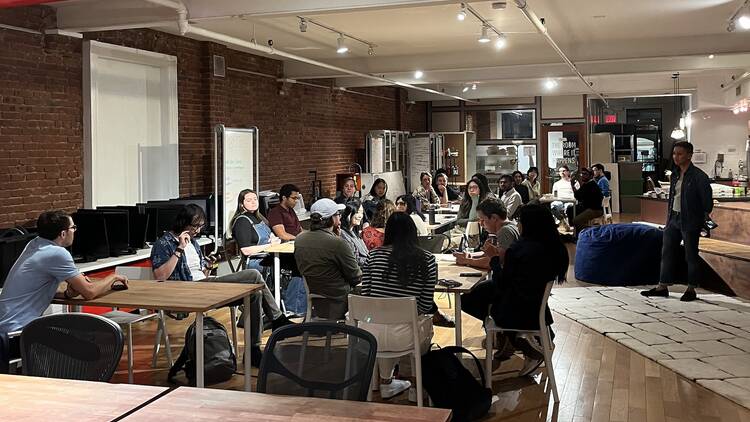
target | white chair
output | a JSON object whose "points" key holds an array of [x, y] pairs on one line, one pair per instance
{"points": [[310, 296], [606, 217], [126, 320], [542, 332], [392, 310]]}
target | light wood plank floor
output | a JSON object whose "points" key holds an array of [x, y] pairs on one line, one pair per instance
{"points": [[598, 379]]}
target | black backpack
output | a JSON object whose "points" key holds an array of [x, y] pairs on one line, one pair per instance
{"points": [[451, 386], [219, 362]]}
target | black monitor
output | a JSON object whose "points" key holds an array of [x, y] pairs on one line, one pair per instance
{"points": [[118, 231], [90, 242], [206, 202], [11, 247], [137, 224]]}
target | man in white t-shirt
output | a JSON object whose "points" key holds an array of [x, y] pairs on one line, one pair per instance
{"points": [[563, 188]]}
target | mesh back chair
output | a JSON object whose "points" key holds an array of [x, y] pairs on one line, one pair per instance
{"points": [[71, 346], [542, 333], [318, 359], [434, 243]]}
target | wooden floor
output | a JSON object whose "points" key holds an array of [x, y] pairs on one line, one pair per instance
{"points": [[598, 379]]}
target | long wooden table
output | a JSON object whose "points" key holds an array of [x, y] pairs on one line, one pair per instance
{"points": [[182, 296], [448, 269], [194, 404], [25, 398], [277, 250]]}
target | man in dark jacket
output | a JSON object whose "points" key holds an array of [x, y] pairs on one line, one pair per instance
{"points": [[690, 203], [589, 198]]}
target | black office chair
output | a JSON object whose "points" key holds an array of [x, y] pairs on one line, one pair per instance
{"points": [[71, 346], [435, 243], [318, 359]]}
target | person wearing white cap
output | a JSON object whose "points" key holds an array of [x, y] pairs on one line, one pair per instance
{"points": [[326, 261]]}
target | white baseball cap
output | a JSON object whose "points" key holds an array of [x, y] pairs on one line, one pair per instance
{"points": [[326, 207]]}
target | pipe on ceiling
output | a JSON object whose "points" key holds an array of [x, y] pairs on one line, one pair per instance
{"points": [[534, 19], [187, 28]]}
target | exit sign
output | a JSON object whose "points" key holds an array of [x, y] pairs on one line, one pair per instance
{"points": [[610, 118]]}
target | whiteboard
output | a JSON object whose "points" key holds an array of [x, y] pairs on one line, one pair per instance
{"points": [[419, 160], [239, 170]]}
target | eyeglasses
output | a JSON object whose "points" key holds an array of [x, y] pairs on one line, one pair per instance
{"points": [[73, 227], [400, 203], [198, 226]]}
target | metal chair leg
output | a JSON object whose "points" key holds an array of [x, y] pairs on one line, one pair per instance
{"points": [[130, 353], [233, 315]]}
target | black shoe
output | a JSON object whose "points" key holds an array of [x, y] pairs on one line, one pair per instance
{"points": [[178, 315], [280, 322], [656, 292], [255, 357], [441, 320], [689, 296]]}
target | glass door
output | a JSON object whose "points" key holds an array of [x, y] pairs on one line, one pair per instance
{"points": [[561, 145]]}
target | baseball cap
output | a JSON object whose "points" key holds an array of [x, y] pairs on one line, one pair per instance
{"points": [[326, 207]]}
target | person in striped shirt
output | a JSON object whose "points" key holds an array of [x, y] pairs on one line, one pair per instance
{"points": [[397, 269]]}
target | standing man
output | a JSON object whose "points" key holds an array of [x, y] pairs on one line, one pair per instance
{"points": [[690, 203], [282, 218], [601, 179], [510, 197], [33, 280]]}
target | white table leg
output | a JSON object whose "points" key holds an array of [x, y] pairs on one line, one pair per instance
{"points": [[199, 350], [248, 340], [459, 339], [277, 278]]}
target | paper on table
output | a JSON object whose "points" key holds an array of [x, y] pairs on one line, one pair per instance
{"points": [[445, 257]]}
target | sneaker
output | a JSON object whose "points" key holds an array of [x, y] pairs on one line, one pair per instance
{"points": [[394, 388], [656, 292], [530, 364], [689, 296], [280, 322], [441, 320]]}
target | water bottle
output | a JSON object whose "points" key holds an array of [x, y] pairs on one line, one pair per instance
{"points": [[431, 212]]}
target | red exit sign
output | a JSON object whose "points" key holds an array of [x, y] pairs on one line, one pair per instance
{"points": [[610, 118]]}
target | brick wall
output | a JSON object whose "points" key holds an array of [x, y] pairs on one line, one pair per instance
{"points": [[303, 129]]}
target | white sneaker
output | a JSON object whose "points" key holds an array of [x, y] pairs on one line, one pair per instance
{"points": [[394, 388]]}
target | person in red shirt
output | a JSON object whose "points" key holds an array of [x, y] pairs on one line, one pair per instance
{"points": [[282, 218]]}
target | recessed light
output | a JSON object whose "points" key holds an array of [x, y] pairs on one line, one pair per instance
{"points": [[418, 74], [711, 56], [550, 84], [744, 21], [466, 88]]}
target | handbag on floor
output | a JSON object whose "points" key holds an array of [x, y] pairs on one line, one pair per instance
{"points": [[219, 361], [451, 386]]}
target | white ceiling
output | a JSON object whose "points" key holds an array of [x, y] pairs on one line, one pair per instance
{"points": [[622, 46]]}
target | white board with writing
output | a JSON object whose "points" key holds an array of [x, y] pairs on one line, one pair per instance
{"points": [[239, 169], [419, 160]]}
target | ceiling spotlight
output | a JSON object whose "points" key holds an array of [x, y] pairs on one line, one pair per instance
{"points": [[461, 15], [711, 56], [418, 74], [550, 84], [485, 38], [744, 21], [466, 88], [473, 87], [302, 25], [678, 133], [341, 43], [501, 42]]}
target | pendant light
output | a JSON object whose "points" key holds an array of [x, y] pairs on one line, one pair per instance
{"points": [[677, 133]]}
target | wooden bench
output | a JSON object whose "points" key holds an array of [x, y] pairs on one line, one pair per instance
{"points": [[731, 261]]}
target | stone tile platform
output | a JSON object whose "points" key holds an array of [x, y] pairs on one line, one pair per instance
{"points": [[707, 341]]}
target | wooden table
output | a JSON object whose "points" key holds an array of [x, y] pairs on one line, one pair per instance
{"points": [[194, 404], [443, 222], [448, 269], [276, 250], [25, 398], [181, 296], [448, 209]]}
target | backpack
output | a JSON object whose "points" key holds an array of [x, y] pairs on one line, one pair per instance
{"points": [[451, 386], [219, 362]]}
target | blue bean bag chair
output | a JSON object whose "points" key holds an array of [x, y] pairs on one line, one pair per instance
{"points": [[619, 255]]}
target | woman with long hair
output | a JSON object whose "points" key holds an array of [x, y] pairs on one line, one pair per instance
{"points": [[377, 193], [532, 183], [374, 234], [351, 225], [425, 193], [250, 229], [474, 193], [408, 204], [400, 269]]}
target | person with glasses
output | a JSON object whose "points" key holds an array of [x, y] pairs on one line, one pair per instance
{"points": [[326, 261], [408, 204], [44, 270], [177, 256], [563, 188], [283, 218]]}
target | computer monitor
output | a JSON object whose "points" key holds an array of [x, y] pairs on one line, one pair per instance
{"points": [[165, 218], [206, 202], [90, 242], [11, 248], [137, 224], [118, 231]]}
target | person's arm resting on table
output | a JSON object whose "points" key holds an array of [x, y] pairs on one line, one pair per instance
{"points": [[280, 231], [90, 289]]}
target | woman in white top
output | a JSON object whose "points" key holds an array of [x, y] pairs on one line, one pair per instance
{"points": [[532, 183], [408, 204]]}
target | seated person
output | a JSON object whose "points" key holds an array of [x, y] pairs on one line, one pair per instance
{"points": [[445, 192], [425, 193], [532, 183], [351, 225], [475, 193], [177, 256], [34, 279], [348, 189], [601, 179], [483, 181], [563, 188], [374, 233], [520, 187], [399, 269], [377, 193], [408, 204], [283, 218], [589, 198], [518, 284], [250, 230], [326, 261], [508, 194], [493, 217]]}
